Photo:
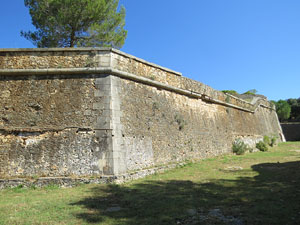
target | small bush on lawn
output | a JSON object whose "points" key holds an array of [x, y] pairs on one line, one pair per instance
{"points": [[239, 147], [262, 146], [270, 141], [267, 140], [273, 141]]}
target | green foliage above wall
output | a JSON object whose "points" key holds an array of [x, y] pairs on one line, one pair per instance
{"points": [[288, 110], [231, 92], [283, 110], [250, 92], [70, 23]]}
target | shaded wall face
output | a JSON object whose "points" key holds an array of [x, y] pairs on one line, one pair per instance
{"points": [[46, 126], [175, 127], [59, 153], [46, 102], [291, 131]]}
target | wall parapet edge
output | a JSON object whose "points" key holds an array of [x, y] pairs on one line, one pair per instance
{"points": [[5, 51]]}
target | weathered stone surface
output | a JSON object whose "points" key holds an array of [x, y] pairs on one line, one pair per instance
{"points": [[59, 153], [72, 181], [47, 101], [46, 59], [123, 121], [182, 128]]}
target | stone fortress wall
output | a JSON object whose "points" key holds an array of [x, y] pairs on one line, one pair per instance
{"points": [[291, 131], [91, 112]]}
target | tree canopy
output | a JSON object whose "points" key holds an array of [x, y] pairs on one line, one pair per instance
{"points": [[295, 108], [283, 110], [70, 23], [288, 110]]}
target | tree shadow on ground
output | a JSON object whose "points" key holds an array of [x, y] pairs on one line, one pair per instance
{"points": [[271, 197]]}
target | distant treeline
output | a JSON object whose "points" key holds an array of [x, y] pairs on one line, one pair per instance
{"points": [[288, 110]]}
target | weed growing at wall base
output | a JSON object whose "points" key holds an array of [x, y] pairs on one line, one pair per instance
{"points": [[270, 141], [273, 141], [267, 140], [262, 146], [239, 147]]}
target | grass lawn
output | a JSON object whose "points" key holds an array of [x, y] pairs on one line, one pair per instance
{"points": [[256, 188]]}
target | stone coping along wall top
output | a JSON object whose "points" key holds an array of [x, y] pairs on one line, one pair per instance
{"points": [[8, 51]]}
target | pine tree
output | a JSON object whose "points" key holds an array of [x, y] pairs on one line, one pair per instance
{"points": [[70, 23]]}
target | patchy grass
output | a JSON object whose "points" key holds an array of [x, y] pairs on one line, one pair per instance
{"points": [[256, 188]]}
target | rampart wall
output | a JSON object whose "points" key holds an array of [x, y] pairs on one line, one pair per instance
{"points": [[291, 131], [98, 111]]}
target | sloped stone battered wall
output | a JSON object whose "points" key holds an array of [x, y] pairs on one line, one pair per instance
{"points": [[93, 112], [180, 128]]}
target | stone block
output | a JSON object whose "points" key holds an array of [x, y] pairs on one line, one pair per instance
{"points": [[103, 124], [101, 93], [98, 106], [107, 80], [87, 112], [105, 61], [103, 87]]}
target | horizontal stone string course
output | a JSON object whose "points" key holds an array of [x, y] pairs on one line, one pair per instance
{"points": [[98, 114]]}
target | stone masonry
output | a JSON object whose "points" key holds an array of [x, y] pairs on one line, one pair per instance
{"points": [[85, 113]]}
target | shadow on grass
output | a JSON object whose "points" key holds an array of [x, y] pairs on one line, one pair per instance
{"points": [[272, 197]]}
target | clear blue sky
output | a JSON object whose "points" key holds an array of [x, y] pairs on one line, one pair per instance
{"points": [[226, 44]]}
